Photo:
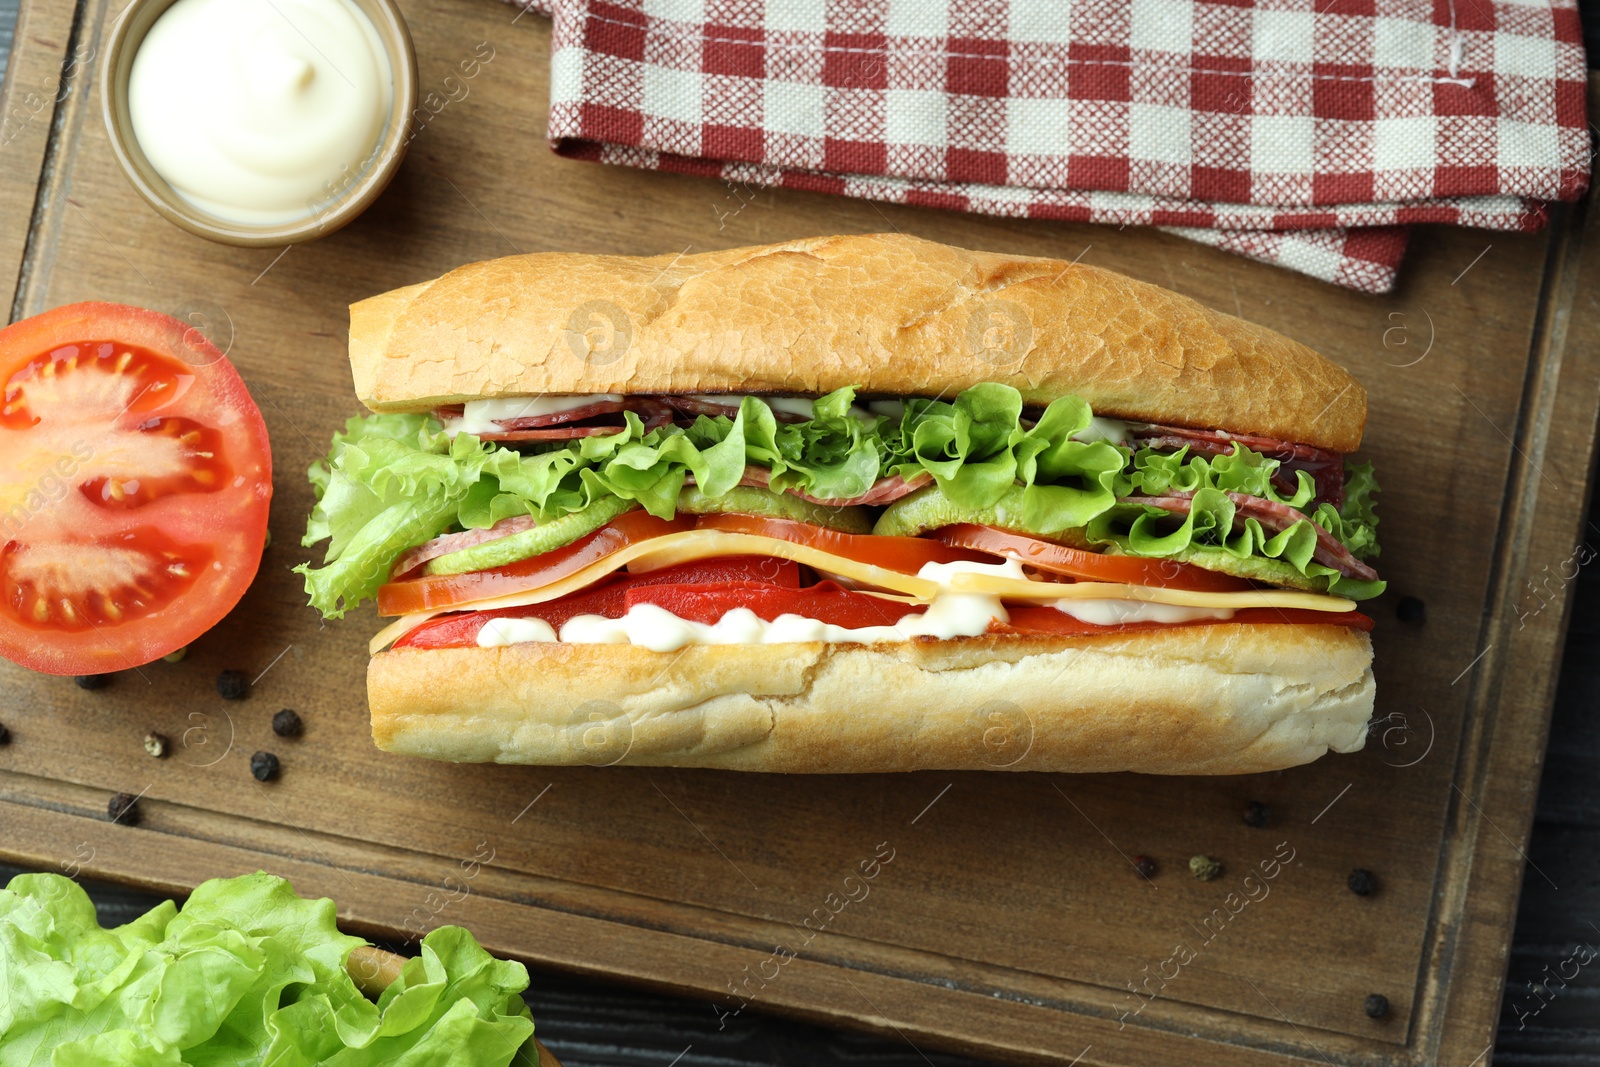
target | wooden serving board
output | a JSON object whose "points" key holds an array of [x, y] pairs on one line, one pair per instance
{"points": [[1003, 917]]}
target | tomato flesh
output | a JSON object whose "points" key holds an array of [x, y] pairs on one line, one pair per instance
{"points": [[135, 479], [904, 554], [824, 601], [1091, 566], [91, 584], [609, 597]]}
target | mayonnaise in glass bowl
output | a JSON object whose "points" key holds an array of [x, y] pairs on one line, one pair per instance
{"points": [[259, 122]]}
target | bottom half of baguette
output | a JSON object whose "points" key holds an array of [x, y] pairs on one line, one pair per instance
{"points": [[1216, 699]]}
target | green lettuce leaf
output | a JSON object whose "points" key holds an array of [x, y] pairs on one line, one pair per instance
{"points": [[1207, 536], [1151, 473], [978, 452], [392, 482], [247, 973]]}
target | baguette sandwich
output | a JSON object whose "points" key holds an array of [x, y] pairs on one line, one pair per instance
{"points": [[863, 503]]}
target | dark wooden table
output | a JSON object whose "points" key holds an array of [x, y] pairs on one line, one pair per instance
{"points": [[1544, 1021]]}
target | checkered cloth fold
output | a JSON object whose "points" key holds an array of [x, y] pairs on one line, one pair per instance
{"points": [[1306, 133]]}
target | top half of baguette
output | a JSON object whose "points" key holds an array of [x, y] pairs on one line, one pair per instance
{"points": [[888, 313]]}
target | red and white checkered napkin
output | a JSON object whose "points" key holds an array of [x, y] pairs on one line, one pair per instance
{"points": [[1305, 133]]}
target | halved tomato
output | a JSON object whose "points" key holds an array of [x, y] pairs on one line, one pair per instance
{"points": [[135, 477], [1094, 566]]}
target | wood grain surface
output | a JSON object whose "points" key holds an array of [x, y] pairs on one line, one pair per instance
{"points": [[1009, 922]]}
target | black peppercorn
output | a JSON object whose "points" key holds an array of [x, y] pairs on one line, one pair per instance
{"points": [[5, 736], [232, 685], [124, 808], [1362, 882], [1145, 866], [92, 681], [264, 765], [1255, 814], [1410, 609], [287, 723], [1376, 1005]]}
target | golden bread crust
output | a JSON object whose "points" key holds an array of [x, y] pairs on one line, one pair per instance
{"points": [[1216, 699], [893, 314]]}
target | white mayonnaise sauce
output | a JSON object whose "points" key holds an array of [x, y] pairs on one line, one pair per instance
{"points": [[1116, 612], [656, 628], [949, 615], [894, 409], [941, 573], [499, 632], [260, 111], [787, 405], [481, 416], [1113, 430]]}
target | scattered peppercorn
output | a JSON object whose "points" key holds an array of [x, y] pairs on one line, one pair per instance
{"points": [[231, 685], [1255, 814], [1362, 882], [92, 681], [287, 723], [124, 808], [266, 542], [264, 765], [1376, 1005], [1145, 866], [1204, 867], [176, 657], [156, 744], [5, 735], [1411, 609]]}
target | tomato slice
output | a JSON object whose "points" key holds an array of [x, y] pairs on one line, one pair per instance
{"points": [[824, 601], [441, 591], [1032, 619], [135, 477], [906, 555], [609, 597], [767, 570], [1093, 566]]}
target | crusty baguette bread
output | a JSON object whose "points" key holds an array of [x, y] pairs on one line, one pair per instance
{"points": [[893, 314], [1217, 699]]}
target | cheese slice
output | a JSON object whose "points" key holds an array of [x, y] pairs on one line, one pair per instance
{"points": [[689, 545]]}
